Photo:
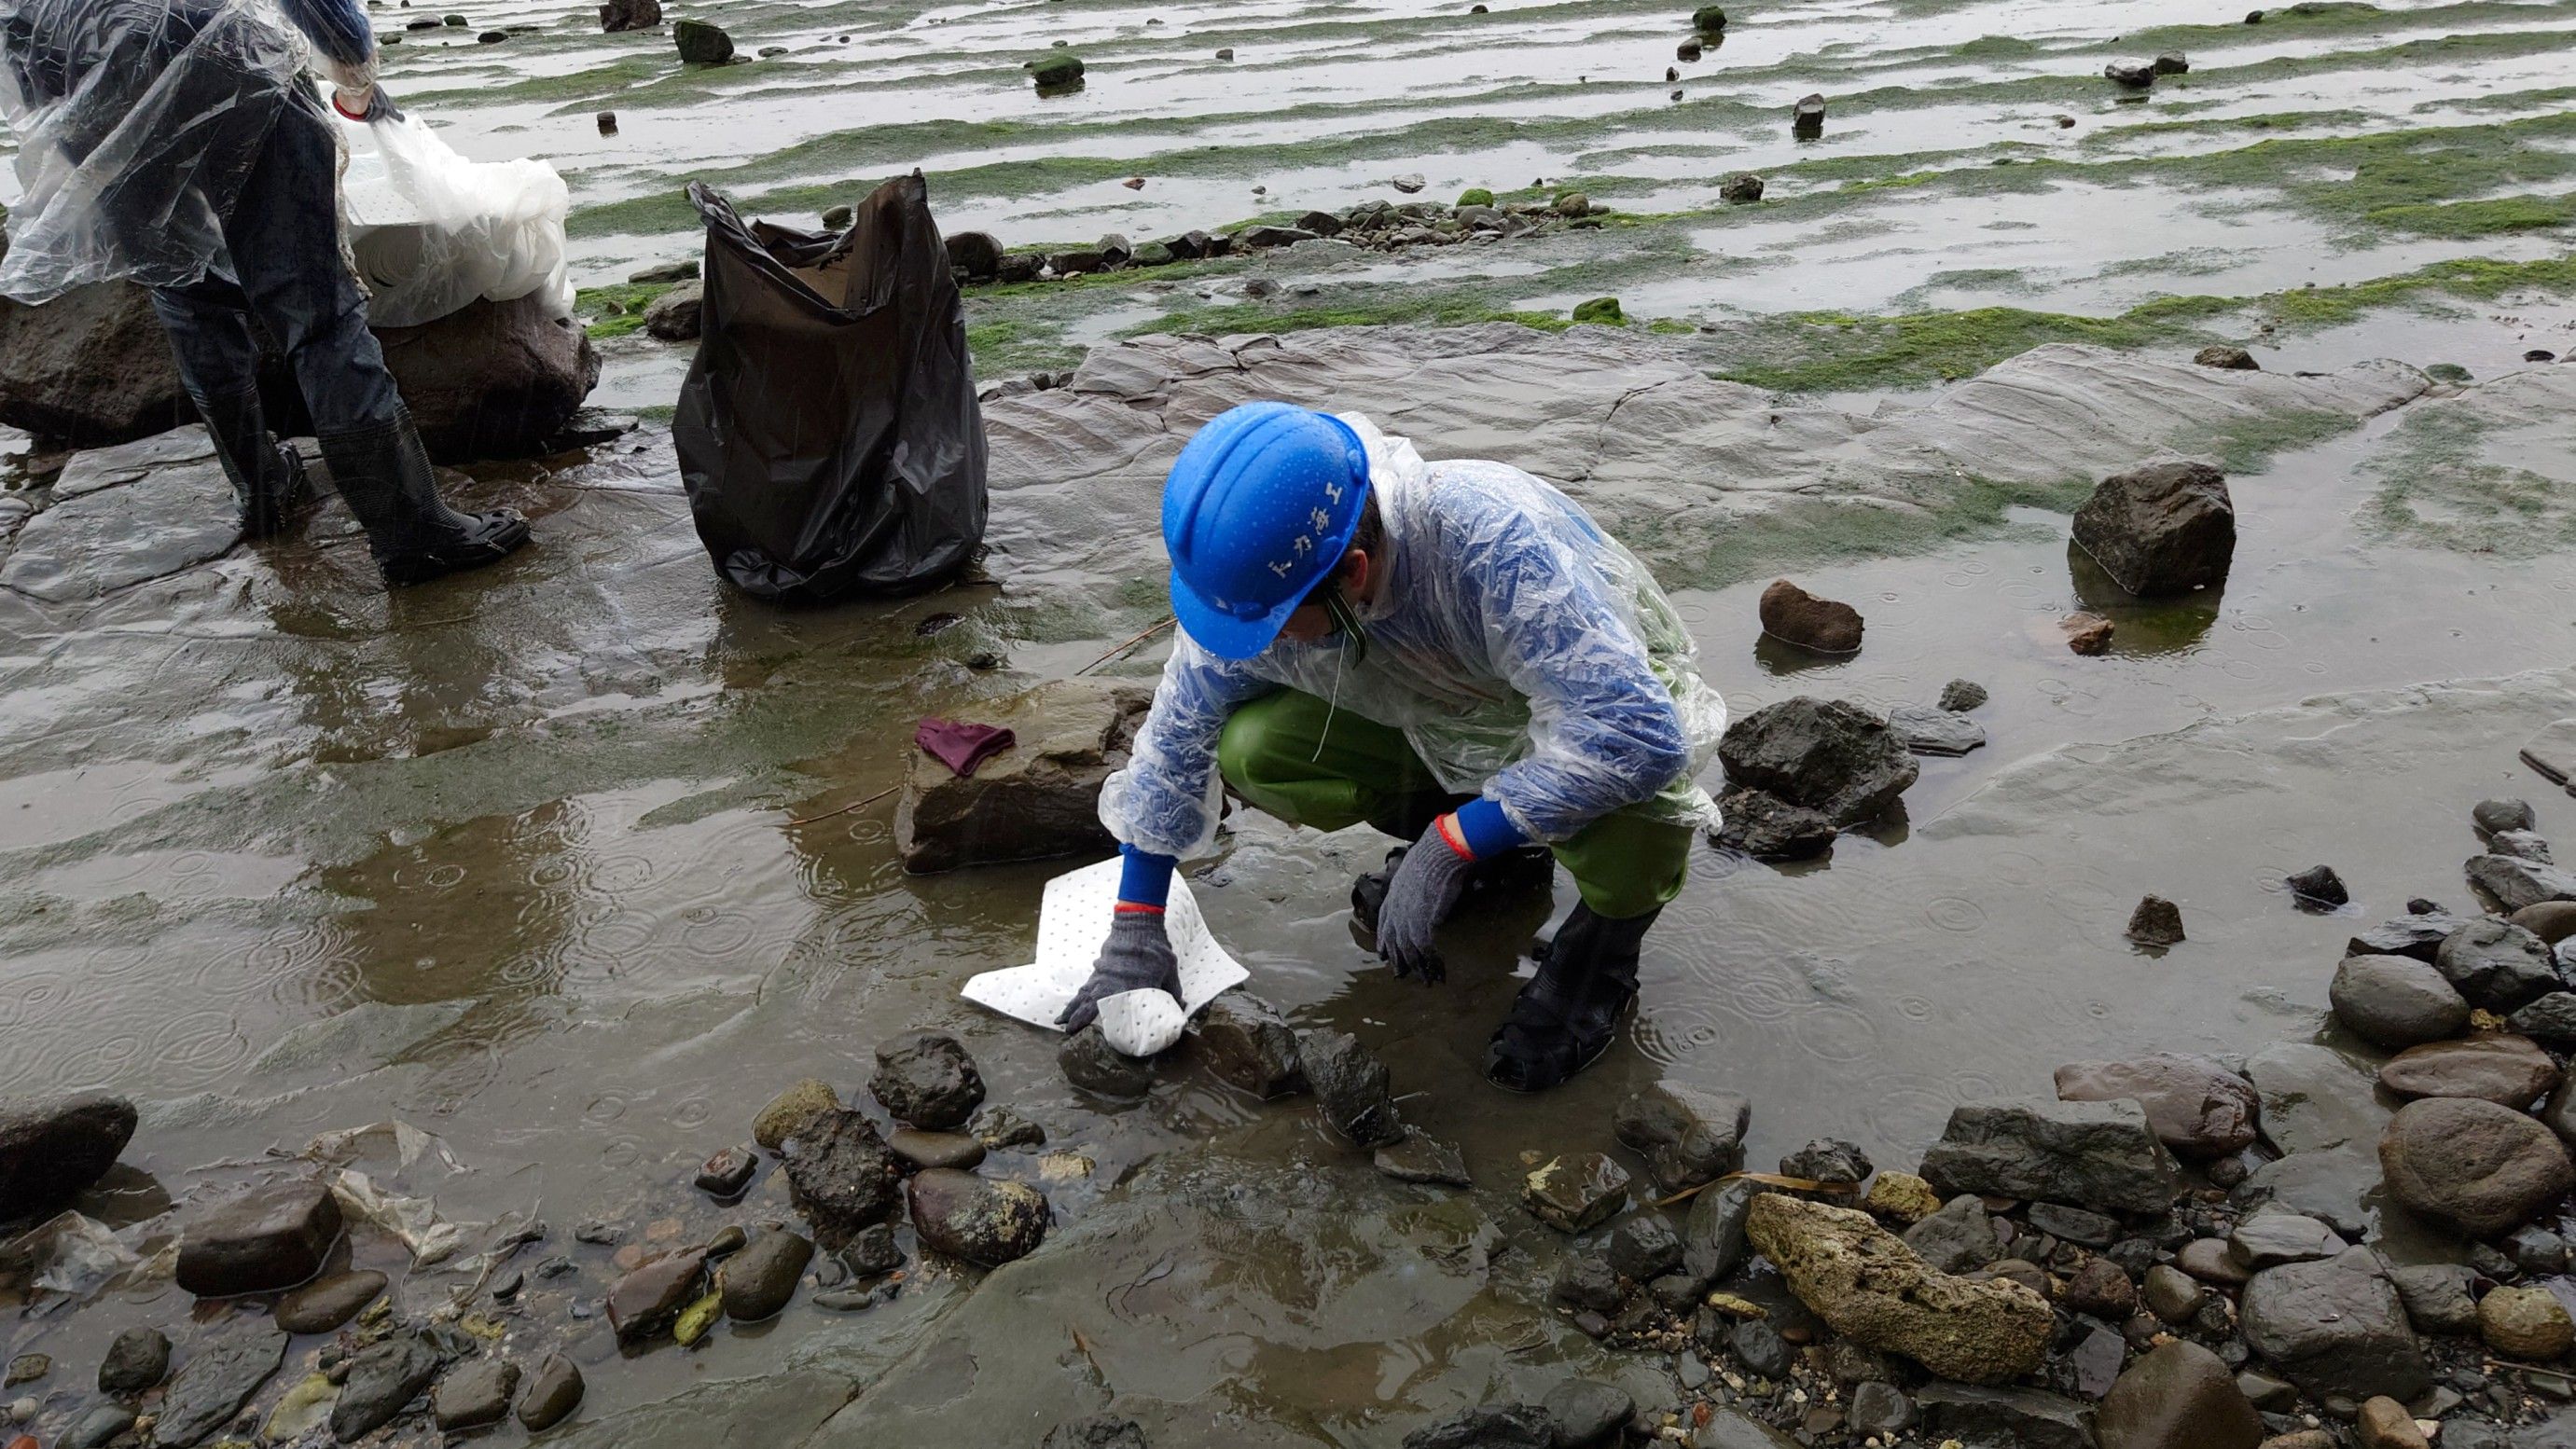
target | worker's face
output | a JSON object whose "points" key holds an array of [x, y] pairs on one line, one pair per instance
{"points": [[1310, 622]]}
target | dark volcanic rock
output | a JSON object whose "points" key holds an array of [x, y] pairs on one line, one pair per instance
{"points": [[975, 255], [1741, 188], [2550, 1020], [1828, 755], [50, 1151], [700, 43], [1352, 1085], [382, 1380], [1091, 1063], [1100, 1431], [1246, 1043], [138, 1359], [1828, 1160], [2336, 1326], [2418, 936], [617, 15], [475, 1394], [1713, 1234], [2497, 965], [2099, 1155], [926, 1079], [2396, 1001], [728, 1173], [1958, 1238], [2167, 528], [213, 1385], [1643, 1247], [493, 380], [2195, 1106], [677, 315], [1687, 1136], [1768, 828], [2493, 817], [2233, 359], [758, 1281], [1793, 615], [976, 1219], [2519, 884], [1576, 1192], [643, 1303], [843, 1175], [2318, 885], [1511, 1426], [2507, 1070], [326, 1303], [262, 1240], [90, 368], [2472, 1166], [2177, 1396], [1588, 1414], [1423, 1159], [1961, 695], [2438, 1297], [1929, 731], [98, 1428], [552, 1395], [2023, 1418], [2156, 922], [1807, 118]]}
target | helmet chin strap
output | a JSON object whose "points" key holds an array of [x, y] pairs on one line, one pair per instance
{"points": [[1354, 650]]}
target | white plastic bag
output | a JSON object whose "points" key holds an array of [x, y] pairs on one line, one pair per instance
{"points": [[432, 231]]}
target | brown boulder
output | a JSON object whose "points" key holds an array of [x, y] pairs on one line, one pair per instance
{"points": [[2194, 1106], [1034, 801], [1791, 614], [2507, 1070], [2472, 1166], [2178, 1396]]}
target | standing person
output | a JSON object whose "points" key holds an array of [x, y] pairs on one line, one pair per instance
{"points": [[176, 143], [1454, 653]]}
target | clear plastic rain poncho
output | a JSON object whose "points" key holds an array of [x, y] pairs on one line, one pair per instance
{"points": [[137, 123], [1526, 655]]}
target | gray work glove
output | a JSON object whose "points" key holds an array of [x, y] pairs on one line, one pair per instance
{"points": [[1138, 954], [1426, 887]]}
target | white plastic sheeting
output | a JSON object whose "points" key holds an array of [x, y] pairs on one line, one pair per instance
{"points": [[432, 232], [1073, 921]]}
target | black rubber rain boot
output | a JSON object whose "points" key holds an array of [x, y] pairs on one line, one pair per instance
{"points": [[1512, 873], [384, 475], [1568, 1014], [267, 476]]}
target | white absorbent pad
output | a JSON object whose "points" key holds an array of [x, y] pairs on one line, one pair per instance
{"points": [[1073, 922]]}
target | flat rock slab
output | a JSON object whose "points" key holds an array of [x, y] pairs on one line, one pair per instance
{"points": [[1929, 731], [213, 1384], [2553, 753], [97, 468], [169, 520], [2507, 1070]]}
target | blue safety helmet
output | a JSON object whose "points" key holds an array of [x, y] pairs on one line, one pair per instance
{"points": [[1259, 507]]}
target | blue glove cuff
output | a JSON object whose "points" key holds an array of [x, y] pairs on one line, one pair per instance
{"points": [[1487, 830], [1146, 880]]}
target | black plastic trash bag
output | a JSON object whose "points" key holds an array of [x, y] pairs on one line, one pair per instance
{"points": [[828, 432]]}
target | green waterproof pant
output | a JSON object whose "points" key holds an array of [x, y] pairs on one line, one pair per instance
{"points": [[1280, 755]]}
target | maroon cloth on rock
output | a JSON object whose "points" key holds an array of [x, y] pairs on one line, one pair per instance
{"points": [[959, 746]]}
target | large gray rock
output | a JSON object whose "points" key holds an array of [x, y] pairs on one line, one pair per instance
{"points": [[1351, 1084], [1828, 755], [213, 1385], [2439, 1297], [2336, 1326], [1768, 828], [475, 1394], [2316, 1099], [2472, 1166], [844, 1177], [645, 1301], [2396, 1001], [1687, 1136], [2196, 1107], [1487, 1426], [51, 1150], [1036, 800], [1246, 1043], [2419, 936], [92, 545], [2177, 1396], [382, 1380], [2099, 1155], [2167, 528], [492, 380], [2508, 1070], [1713, 1234], [2495, 964], [2021, 1418], [757, 1281], [926, 1079], [2519, 884], [1958, 1238], [267, 1238]]}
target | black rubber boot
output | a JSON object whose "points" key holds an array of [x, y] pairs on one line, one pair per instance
{"points": [[267, 476], [1568, 1014], [1512, 873], [384, 475]]}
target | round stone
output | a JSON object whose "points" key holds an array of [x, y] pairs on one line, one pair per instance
{"points": [[2525, 1323]]}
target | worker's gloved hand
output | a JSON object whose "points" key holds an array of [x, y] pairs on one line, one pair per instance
{"points": [[1426, 887], [1137, 955], [353, 88]]}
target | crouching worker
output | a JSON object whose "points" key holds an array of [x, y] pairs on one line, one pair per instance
{"points": [[176, 143], [1452, 652]]}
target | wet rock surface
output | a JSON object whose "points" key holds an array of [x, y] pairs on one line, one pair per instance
{"points": [[2167, 528], [1351, 1084], [2336, 1326], [2508, 1070], [2099, 1155], [1687, 1136], [758, 1281], [137, 1359], [1827, 755], [1791, 614], [1036, 800], [935, 1149], [1246, 1043], [1959, 1237], [1091, 1063], [2196, 1107], [2156, 922], [1927, 731], [213, 1383], [2178, 1395], [475, 1394], [553, 1393], [2396, 1001], [788, 1112], [51, 1150], [1871, 1288], [2497, 965], [646, 1301], [927, 1080], [93, 545], [1576, 1192], [1766, 827], [263, 1239], [326, 1303], [2472, 1166], [977, 1219], [1421, 1158], [845, 1178]]}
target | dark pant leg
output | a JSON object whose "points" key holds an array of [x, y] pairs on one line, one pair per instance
{"points": [[285, 243], [210, 337]]}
